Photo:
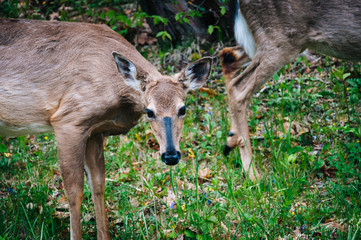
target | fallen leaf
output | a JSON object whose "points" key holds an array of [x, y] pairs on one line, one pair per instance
{"points": [[209, 91], [205, 173], [297, 233], [191, 153], [170, 199], [153, 144]]}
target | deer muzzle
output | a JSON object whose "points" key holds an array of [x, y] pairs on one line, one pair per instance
{"points": [[171, 156]]}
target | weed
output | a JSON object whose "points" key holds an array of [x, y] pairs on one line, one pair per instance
{"points": [[305, 130]]}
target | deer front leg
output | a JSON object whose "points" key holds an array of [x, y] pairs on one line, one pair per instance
{"points": [[239, 135], [71, 147], [232, 59], [240, 90], [95, 171]]}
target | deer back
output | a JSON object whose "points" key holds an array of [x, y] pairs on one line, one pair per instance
{"points": [[329, 27]]}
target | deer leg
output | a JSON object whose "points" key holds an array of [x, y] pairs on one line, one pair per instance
{"points": [[71, 147], [95, 171], [232, 59], [240, 90]]}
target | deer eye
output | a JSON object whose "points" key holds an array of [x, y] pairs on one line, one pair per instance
{"points": [[182, 111], [150, 113]]}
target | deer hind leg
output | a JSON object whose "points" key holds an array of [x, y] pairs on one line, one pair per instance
{"points": [[240, 90], [95, 171], [71, 147]]}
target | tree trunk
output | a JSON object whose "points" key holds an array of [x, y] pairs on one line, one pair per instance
{"points": [[197, 26]]}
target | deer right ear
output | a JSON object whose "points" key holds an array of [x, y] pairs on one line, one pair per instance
{"points": [[127, 70], [195, 74]]}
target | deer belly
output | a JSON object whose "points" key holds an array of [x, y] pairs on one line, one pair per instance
{"points": [[17, 130]]}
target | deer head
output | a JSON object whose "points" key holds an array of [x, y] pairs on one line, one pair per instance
{"points": [[164, 98]]}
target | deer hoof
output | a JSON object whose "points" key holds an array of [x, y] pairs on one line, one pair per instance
{"points": [[241, 143], [230, 144], [226, 150]]}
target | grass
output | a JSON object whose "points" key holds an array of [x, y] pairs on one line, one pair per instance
{"points": [[305, 131], [306, 146]]}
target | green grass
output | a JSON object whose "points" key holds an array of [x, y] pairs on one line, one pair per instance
{"points": [[305, 131], [306, 145]]}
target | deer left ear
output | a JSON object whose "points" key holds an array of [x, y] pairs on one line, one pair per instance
{"points": [[127, 70], [195, 75]]}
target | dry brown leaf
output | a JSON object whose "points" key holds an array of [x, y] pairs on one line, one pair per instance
{"points": [[170, 199], [144, 38], [153, 144], [209, 91], [297, 233], [190, 186], [159, 190], [205, 173], [180, 184], [62, 200], [330, 223], [62, 214]]}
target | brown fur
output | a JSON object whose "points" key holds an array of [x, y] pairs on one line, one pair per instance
{"points": [[281, 30], [63, 76]]}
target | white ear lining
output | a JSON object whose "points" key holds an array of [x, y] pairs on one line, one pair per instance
{"points": [[134, 83], [132, 70], [189, 74], [194, 78], [127, 70]]}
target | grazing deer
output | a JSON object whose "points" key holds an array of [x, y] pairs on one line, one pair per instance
{"points": [[86, 82], [272, 33]]}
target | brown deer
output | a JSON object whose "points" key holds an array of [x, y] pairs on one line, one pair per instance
{"points": [[272, 33], [86, 82]]}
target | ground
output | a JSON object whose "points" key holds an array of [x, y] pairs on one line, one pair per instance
{"points": [[305, 130]]}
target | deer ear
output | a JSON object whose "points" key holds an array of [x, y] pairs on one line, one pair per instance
{"points": [[196, 74], [127, 70]]}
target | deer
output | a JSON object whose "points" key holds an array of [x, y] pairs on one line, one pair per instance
{"points": [[272, 33], [85, 82]]}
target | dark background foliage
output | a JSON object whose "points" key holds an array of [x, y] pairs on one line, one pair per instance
{"points": [[169, 20]]}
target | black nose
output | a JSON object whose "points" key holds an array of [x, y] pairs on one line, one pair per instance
{"points": [[171, 157]]}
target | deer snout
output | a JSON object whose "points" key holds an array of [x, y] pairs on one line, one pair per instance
{"points": [[171, 157]]}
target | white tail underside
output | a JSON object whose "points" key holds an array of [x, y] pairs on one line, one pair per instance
{"points": [[243, 35]]}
